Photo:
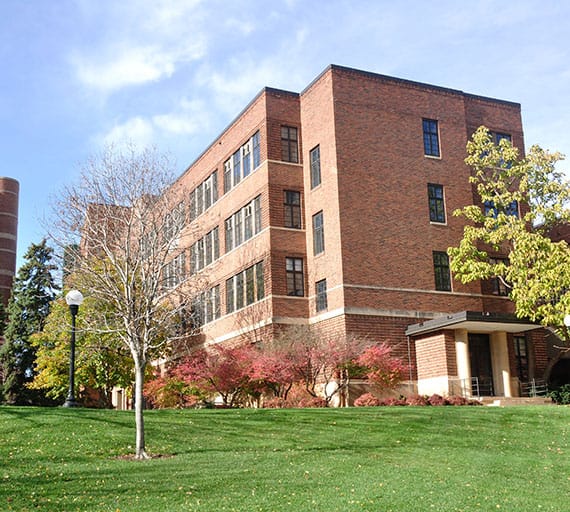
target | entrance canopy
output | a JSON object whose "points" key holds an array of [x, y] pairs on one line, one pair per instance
{"points": [[473, 321]]}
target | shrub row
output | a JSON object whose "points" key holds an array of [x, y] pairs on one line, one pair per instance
{"points": [[369, 400]]}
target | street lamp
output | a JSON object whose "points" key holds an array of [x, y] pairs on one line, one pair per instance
{"points": [[74, 299]]}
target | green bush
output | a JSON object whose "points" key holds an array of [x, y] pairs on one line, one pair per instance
{"points": [[561, 395]]}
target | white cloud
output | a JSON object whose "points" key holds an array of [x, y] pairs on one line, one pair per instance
{"points": [[141, 43], [136, 131], [130, 66], [187, 118]]}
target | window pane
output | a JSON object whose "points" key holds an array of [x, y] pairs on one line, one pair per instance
{"points": [[260, 284], [230, 295], [227, 176], [229, 234], [292, 209], [431, 137], [318, 233], [315, 158], [295, 280], [237, 168], [256, 150], [289, 148], [257, 213], [436, 203], [441, 271], [214, 186], [250, 285], [239, 282], [321, 289]]}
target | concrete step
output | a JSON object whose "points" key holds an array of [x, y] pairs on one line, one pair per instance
{"points": [[501, 401]]}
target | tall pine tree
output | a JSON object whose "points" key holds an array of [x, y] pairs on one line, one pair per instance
{"points": [[32, 293]]}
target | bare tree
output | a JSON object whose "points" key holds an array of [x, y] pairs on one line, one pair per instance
{"points": [[125, 223]]}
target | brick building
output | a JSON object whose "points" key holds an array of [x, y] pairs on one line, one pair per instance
{"points": [[332, 207], [9, 195]]}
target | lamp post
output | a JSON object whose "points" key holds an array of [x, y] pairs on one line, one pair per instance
{"points": [[74, 299]]}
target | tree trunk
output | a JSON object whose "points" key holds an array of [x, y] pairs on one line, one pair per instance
{"points": [[139, 408]]}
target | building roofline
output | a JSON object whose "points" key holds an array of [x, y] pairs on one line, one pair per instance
{"points": [[264, 90], [406, 82], [473, 319], [354, 71]]}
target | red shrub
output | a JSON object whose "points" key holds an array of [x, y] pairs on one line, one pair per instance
{"points": [[367, 400], [417, 400], [436, 399], [457, 400], [394, 401]]}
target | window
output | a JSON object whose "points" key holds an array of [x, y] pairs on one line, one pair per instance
{"points": [[441, 271], [246, 158], [431, 137], [521, 357], [227, 175], [204, 196], [205, 251], [207, 306], [248, 221], [173, 223], [229, 234], [289, 146], [490, 209], [237, 167], [255, 141], [239, 281], [292, 209], [500, 288], [295, 278], [257, 214], [321, 289], [318, 233], [241, 164], [436, 203], [250, 285], [245, 288], [243, 224], [315, 158], [230, 303], [259, 280], [174, 271], [498, 137]]}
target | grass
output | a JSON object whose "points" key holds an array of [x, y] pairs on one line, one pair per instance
{"points": [[362, 459]]}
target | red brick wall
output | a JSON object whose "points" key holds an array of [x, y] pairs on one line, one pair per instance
{"points": [[436, 355], [9, 194], [317, 116]]}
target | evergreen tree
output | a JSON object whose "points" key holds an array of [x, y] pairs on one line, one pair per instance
{"points": [[32, 293]]}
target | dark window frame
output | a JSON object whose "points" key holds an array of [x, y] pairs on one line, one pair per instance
{"points": [[442, 272], [436, 200], [292, 209], [290, 144], [295, 277], [521, 357], [321, 301], [318, 233], [315, 162], [430, 128]]}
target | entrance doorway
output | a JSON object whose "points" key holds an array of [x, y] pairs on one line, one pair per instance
{"points": [[481, 368]]}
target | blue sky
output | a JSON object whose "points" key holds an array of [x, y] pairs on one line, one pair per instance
{"points": [[78, 74]]}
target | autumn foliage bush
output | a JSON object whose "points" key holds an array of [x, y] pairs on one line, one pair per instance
{"points": [[369, 400], [297, 368], [170, 392]]}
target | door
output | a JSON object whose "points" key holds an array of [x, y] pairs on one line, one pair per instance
{"points": [[481, 368]]}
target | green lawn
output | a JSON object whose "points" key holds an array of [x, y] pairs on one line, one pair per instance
{"points": [[370, 459]]}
